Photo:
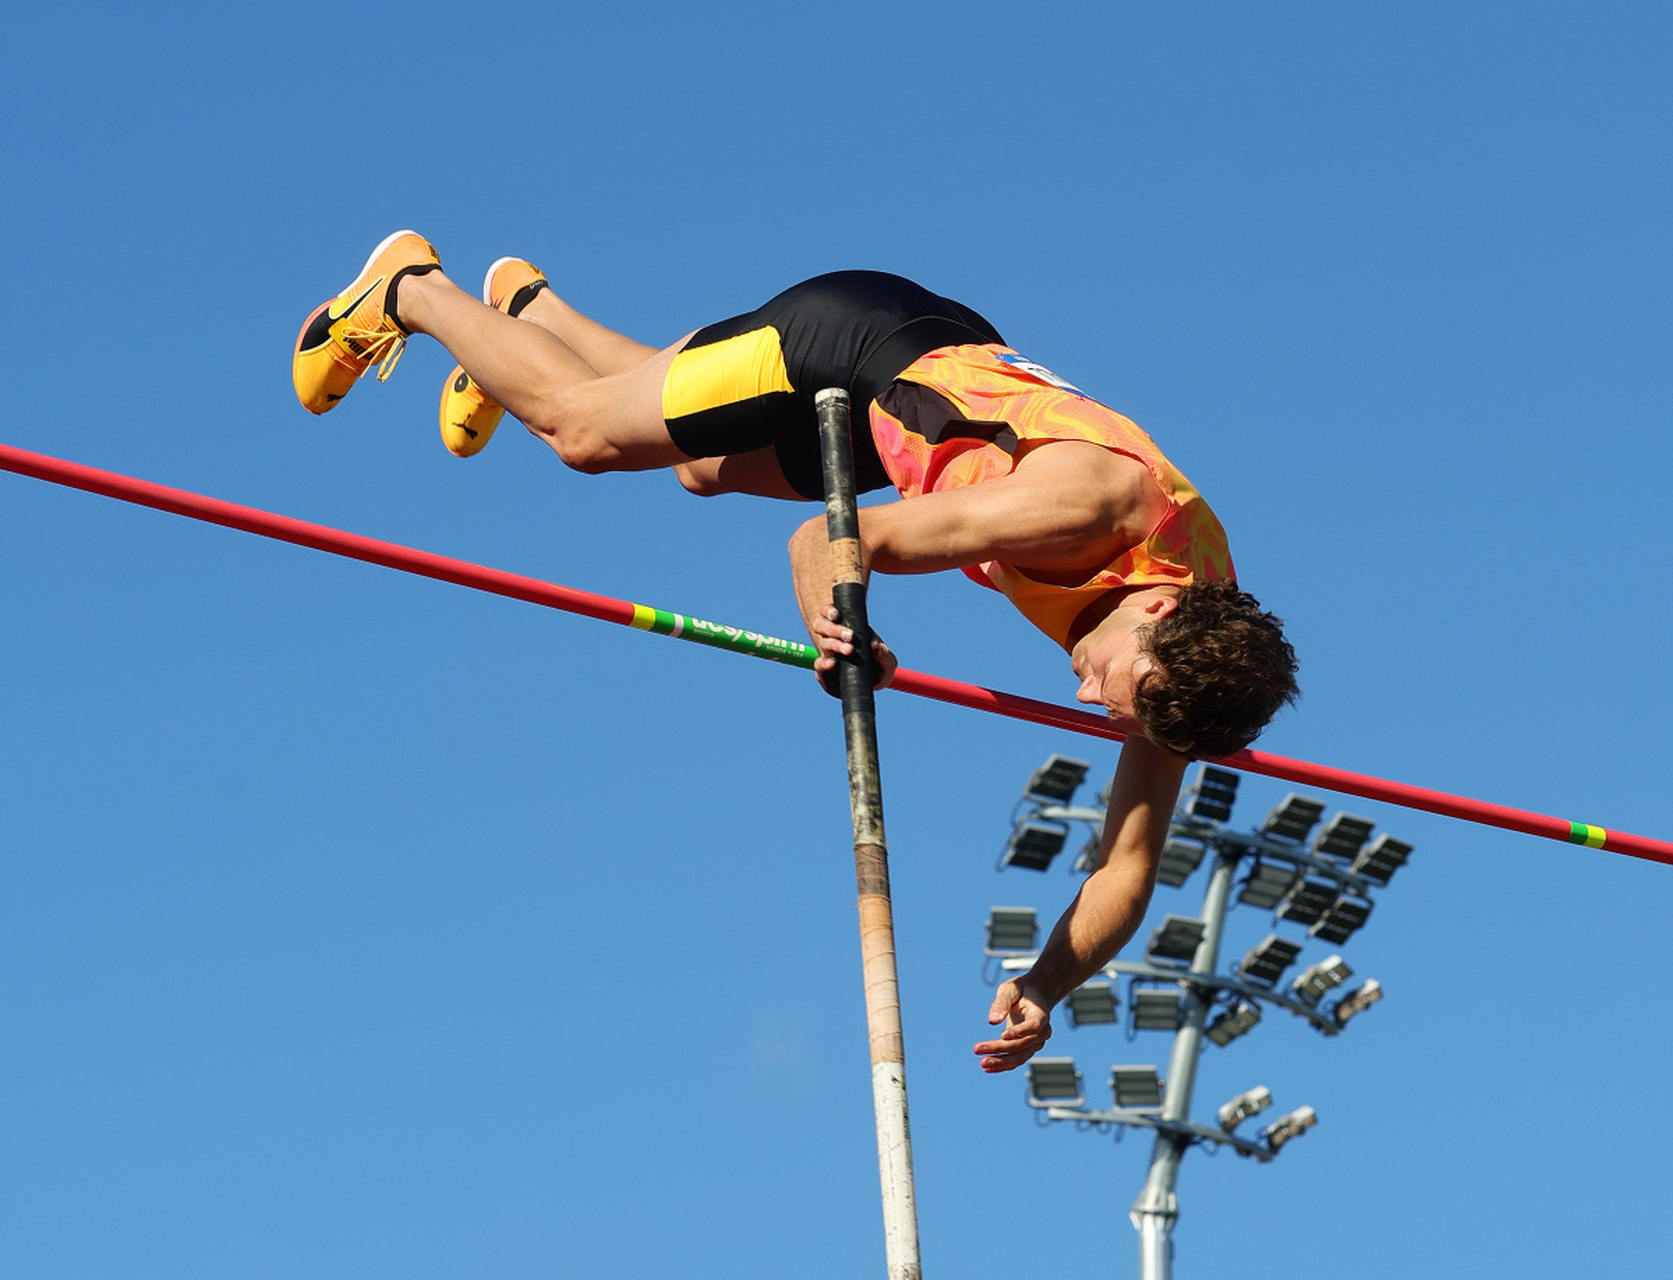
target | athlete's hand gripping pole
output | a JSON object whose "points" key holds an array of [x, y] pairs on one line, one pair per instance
{"points": [[871, 855]]}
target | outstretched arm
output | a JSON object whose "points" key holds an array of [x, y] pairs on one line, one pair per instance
{"points": [[1105, 913]]}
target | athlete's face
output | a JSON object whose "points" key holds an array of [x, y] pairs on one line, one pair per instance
{"points": [[1111, 661], [1110, 671]]}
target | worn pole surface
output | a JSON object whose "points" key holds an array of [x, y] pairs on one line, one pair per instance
{"points": [[871, 854]]}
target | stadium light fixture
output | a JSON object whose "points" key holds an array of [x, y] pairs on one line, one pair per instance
{"points": [[1233, 1022], [1155, 1009], [1344, 916], [1268, 883], [1136, 1087], [1357, 1001], [1381, 859], [1267, 959], [1312, 982], [1056, 781], [1343, 837], [1181, 855], [1243, 1106], [1293, 818], [1308, 901], [1012, 931], [1212, 795], [1054, 1082], [1092, 1004], [1175, 939], [1034, 844], [1291, 1126]]}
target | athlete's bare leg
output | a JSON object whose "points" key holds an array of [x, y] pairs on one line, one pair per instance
{"points": [[594, 421], [756, 472], [607, 351]]}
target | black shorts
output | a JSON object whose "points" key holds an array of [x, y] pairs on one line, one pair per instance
{"points": [[749, 382]]}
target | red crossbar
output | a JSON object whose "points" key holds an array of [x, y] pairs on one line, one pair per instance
{"points": [[464, 573]]}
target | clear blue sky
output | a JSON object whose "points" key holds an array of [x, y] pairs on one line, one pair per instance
{"points": [[353, 924]]}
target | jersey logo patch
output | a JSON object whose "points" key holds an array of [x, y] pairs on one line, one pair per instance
{"points": [[1042, 373]]}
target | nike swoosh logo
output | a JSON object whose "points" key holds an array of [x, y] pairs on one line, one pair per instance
{"points": [[369, 288], [318, 332]]}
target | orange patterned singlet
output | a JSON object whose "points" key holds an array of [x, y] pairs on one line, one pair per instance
{"points": [[962, 415]]}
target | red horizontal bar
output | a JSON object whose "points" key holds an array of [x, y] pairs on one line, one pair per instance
{"points": [[465, 574]]}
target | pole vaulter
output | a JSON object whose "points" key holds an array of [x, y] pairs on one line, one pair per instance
{"points": [[463, 573]]}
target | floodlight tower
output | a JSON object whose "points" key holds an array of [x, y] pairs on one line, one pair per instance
{"points": [[1323, 886]]}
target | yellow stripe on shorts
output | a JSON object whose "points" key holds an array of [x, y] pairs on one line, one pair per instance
{"points": [[724, 372]]}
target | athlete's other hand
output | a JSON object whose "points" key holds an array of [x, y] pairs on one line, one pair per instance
{"points": [[1027, 1021], [833, 640]]}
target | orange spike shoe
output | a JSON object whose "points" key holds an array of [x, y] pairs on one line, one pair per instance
{"points": [[345, 336], [468, 413]]}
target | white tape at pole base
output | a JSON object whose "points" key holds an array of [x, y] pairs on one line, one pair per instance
{"points": [[894, 1166]]}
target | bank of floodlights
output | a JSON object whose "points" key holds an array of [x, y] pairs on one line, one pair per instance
{"points": [[1312, 874], [1175, 939], [1012, 931], [1357, 1001], [1234, 1022], [1137, 1088], [1291, 1126], [1315, 980], [1093, 1004], [1054, 1082], [1033, 844], [1056, 781], [1293, 818], [1243, 1106]]}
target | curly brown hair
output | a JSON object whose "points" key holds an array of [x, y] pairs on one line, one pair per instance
{"points": [[1224, 671]]}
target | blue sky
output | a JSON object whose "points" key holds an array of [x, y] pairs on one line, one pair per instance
{"points": [[355, 924]]}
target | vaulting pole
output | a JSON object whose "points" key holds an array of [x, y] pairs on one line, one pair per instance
{"points": [[871, 854], [393, 555]]}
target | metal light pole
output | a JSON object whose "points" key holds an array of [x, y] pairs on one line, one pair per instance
{"points": [[871, 854], [1157, 1208]]}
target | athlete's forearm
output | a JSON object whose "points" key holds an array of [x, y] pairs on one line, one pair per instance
{"points": [[810, 568], [1111, 904], [1102, 919]]}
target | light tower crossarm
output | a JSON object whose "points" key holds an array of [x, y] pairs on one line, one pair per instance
{"points": [[1321, 1021], [1150, 1120]]}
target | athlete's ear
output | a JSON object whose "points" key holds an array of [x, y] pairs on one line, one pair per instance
{"points": [[1160, 607]]}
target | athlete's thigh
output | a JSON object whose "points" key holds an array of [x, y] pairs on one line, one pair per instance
{"points": [[616, 422], [757, 472]]}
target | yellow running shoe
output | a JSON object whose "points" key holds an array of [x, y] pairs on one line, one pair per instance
{"points": [[345, 336], [468, 413]]}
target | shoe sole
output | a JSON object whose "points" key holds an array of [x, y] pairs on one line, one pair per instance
{"points": [[488, 279], [495, 265]]}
